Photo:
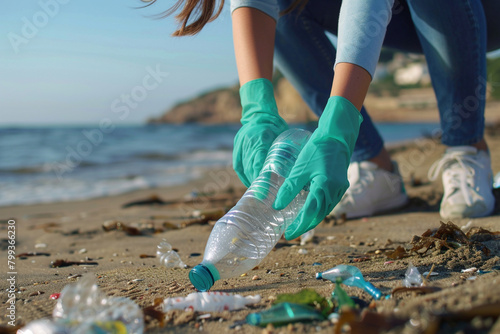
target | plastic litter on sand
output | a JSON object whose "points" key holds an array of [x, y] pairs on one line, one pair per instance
{"points": [[283, 313], [351, 276], [412, 277], [169, 257], [209, 302], [82, 308]]}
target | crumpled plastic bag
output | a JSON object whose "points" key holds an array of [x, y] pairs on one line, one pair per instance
{"points": [[412, 277]]}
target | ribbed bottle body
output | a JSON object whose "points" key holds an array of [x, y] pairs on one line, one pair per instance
{"points": [[249, 231]]}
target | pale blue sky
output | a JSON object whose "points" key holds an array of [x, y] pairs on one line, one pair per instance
{"points": [[77, 61], [84, 57]]}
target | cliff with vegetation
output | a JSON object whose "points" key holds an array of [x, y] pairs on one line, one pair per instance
{"points": [[223, 106], [402, 87]]}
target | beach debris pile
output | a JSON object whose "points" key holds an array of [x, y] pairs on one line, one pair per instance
{"points": [[450, 236], [309, 305], [447, 237], [83, 308]]}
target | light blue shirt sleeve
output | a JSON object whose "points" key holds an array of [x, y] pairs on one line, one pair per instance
{"points": [[270, 7], [362, 28]]}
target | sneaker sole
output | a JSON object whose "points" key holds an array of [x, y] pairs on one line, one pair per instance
{"points": [[463, 211]]}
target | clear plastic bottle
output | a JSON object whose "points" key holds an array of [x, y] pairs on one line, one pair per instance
{"points": [[167, 256], [250, 230], [351, 276]]}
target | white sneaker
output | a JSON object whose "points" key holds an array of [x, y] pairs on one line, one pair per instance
{"points": [[372, 190], [467, 182]]}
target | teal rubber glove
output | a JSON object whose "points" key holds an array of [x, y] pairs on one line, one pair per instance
{"points": [[261, 125], [322, 164]]}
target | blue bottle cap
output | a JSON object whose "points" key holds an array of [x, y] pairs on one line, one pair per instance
{"points": [[254, 319], [319, 276], [201, 277]]}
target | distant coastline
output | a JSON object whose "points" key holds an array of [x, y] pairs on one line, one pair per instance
{"points": [[222, 106]]}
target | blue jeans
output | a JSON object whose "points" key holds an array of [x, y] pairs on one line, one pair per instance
{"points": [[451, 34]]}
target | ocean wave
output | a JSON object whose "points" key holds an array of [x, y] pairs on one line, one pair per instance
{"points": [[43, 168]]}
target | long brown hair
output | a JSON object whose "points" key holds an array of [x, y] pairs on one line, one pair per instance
{"points": [[203, 11]]}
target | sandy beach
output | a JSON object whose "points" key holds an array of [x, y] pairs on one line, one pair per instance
{"points": [[73, 231]]}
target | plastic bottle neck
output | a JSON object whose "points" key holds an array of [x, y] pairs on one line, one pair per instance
{"points": [[203, 276]]}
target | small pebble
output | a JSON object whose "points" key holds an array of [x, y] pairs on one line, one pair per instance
{"points": [[302, 251], [255, 278], [36, 293], [330, 237], [243, 275], [40, 245], [82, 251], [378, 251]]}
